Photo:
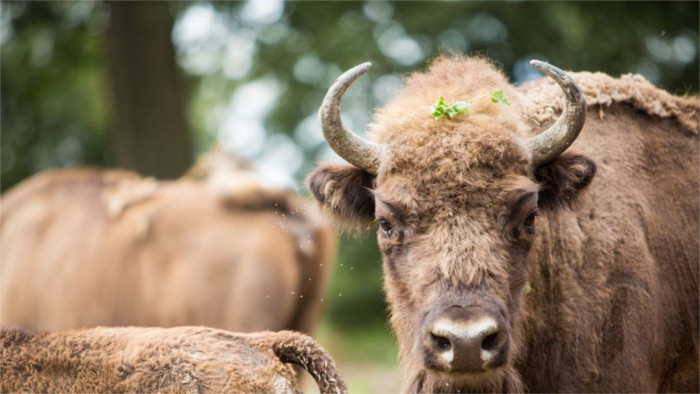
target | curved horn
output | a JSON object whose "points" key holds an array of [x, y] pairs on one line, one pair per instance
{"points": [[546, 146], [356, 150]]}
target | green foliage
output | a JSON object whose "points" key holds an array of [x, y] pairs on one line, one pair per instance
{"points": [[441, 108], [54, 98], [498, 97], [356, 300]]}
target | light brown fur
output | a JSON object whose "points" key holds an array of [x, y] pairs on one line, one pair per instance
{"points": [[86, 247], [613, 269], [602, 91], [181, 359]]}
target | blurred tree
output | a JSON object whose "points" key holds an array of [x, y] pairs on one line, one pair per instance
{"points": [[58, 97], [150, 132]]}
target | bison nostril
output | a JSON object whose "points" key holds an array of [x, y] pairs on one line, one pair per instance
{"points": [[489, 343], [441, 343]]}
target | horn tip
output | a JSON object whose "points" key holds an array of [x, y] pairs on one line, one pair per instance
{"points": [[352, 74], [363, 67], [550, 70], [539, 64]]}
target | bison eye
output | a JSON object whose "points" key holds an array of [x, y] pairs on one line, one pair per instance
{"points": [[529, 223], [387, 228]]}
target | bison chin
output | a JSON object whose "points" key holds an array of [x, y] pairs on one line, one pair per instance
{"points": [[504, 379]]}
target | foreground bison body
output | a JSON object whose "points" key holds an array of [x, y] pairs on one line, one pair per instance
{"points": [[84, 247], [181, 359], [512, 265]]}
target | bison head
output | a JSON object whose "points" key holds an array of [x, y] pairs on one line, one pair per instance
{"points": [[457, 202]]}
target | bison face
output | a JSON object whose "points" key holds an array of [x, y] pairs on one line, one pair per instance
{"points": [[456, 203]]}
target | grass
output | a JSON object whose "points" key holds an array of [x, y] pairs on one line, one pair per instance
{"points": [[367, 358]]}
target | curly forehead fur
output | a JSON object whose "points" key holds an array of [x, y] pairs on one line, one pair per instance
{"points": [[463, 152], [408, 115]]}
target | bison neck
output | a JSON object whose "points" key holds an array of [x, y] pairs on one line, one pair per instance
{"points": [[614, 304]]}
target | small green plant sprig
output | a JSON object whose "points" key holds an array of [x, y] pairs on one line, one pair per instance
{"points": [[441, 108]]}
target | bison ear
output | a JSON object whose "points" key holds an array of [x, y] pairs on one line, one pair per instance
{"points": [[562, 179], [344, 193]]}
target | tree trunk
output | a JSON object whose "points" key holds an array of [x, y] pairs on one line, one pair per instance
{"points": [[151, 134]]}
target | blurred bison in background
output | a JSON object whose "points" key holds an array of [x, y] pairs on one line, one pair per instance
{"points": [[501, 272], [86, 247]]}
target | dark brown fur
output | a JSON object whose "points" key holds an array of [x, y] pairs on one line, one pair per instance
{"points": [[613, 259], [345, 191], [181, 359], [85, 247]]}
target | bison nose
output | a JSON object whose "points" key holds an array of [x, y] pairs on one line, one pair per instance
{"points": [[470, 345]]}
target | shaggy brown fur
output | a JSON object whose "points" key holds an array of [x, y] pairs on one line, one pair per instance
{"points": [[346, 192], [613, 270], [181, 359], [83, 247], [602, 91]]}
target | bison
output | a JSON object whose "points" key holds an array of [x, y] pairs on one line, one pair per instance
{"points": [[87, 247], [180, 359], [512, 263]]}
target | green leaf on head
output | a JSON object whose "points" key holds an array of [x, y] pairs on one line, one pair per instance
{"points": [[441, 108], [498, 97]]}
